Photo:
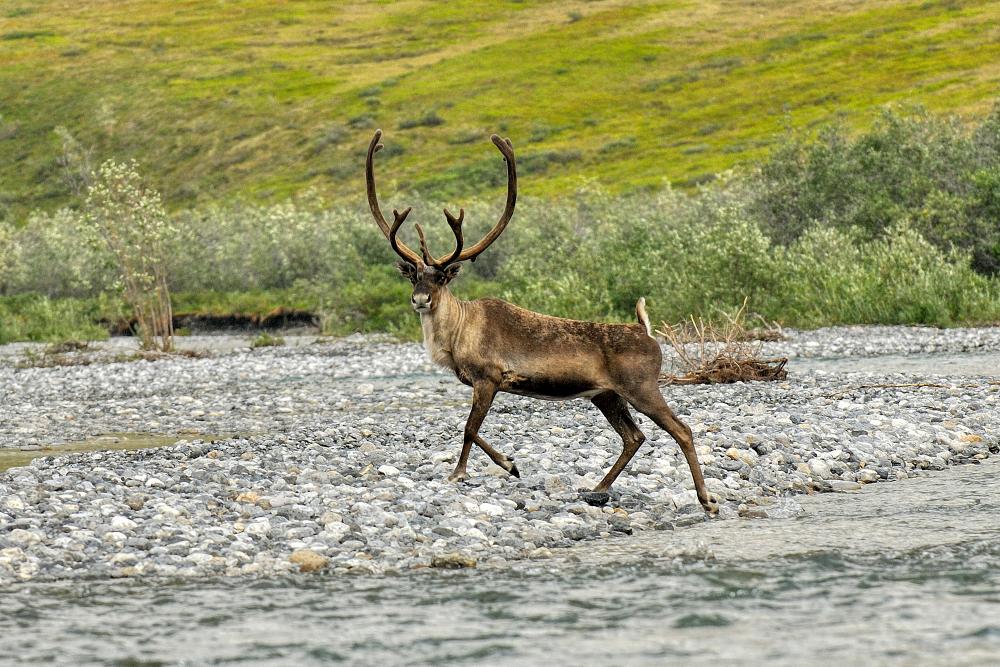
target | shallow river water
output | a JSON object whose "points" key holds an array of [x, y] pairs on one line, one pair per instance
{"points": [[905, 573]]}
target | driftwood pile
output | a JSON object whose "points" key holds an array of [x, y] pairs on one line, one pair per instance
{"points": [[720, 353]]}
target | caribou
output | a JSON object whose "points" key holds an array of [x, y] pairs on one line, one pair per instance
{"points": [[495, 346]]}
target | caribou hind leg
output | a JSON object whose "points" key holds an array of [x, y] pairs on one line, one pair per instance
{"points": [[649, 401], [615, 409]]}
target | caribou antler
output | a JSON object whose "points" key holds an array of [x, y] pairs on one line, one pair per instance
{"points": [[456, 228], [507, 149], [459, 255], [390, 233]]}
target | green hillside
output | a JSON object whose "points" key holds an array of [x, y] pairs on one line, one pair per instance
{"points": [[263, 99]]}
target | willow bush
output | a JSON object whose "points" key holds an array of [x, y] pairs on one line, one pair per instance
{"points": [[125, 217], [932, 171]]}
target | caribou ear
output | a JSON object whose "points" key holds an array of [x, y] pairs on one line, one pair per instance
{"points": [[408, 270], [449, 272]]}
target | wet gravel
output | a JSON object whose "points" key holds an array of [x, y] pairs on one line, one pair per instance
{"points": [[343, 449]]}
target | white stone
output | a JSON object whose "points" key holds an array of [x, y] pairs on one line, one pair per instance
{"points": [[842, 486], [13, 503], [258, 528], [867, 476], [689, 497], [24, 537], [123, 524], [198, 558], [335, 531], [168, 511], [475, 534], [490, 509], [820, 468], [331, 517], [562, 521], [124, 559], [11, 555]]}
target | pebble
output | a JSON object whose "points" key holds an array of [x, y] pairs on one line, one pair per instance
{"points": [[308, 560], [867, 476], [453, 561], [123, 524], [842, 486]]}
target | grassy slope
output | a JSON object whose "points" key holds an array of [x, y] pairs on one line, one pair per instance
{"points": [[263, 98]]}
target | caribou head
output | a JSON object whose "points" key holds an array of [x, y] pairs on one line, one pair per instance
{"points": [[429, 275]]}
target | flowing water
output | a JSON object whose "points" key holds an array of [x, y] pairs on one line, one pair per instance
{"points": [[905, 573]]}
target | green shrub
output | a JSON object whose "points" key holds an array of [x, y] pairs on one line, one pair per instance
{"points": [[38, 318], [910, 166], [832, 276], [48, 256], [264, 339], [894, 226], [429, 119]]}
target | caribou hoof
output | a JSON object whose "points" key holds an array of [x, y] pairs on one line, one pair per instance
{"points": [[595, 498], [712, 504], [457, 476], [513, 469]]}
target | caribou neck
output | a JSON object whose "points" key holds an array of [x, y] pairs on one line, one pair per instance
{"points": [[442, 327]]}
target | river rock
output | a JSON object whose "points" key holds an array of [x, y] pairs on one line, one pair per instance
{"points": [[452, 561], [842, 486], [308, 560]]}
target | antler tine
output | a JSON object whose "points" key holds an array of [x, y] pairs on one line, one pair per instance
{"points": [[396, 224], [428, 258], [507, 150], [456, 228], [390, 233]]}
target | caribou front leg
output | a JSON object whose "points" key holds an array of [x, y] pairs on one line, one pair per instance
{"points": [[483, 392], [499, 458]]}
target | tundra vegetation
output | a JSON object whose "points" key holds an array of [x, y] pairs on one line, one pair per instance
{"points": [[282, 96], [896, 225]]}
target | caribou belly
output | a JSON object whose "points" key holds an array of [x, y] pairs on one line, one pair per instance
{"points": [[590, 393], [547, 388]]}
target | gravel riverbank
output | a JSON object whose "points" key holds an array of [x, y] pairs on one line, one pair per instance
{"points": [[343, 448]]}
